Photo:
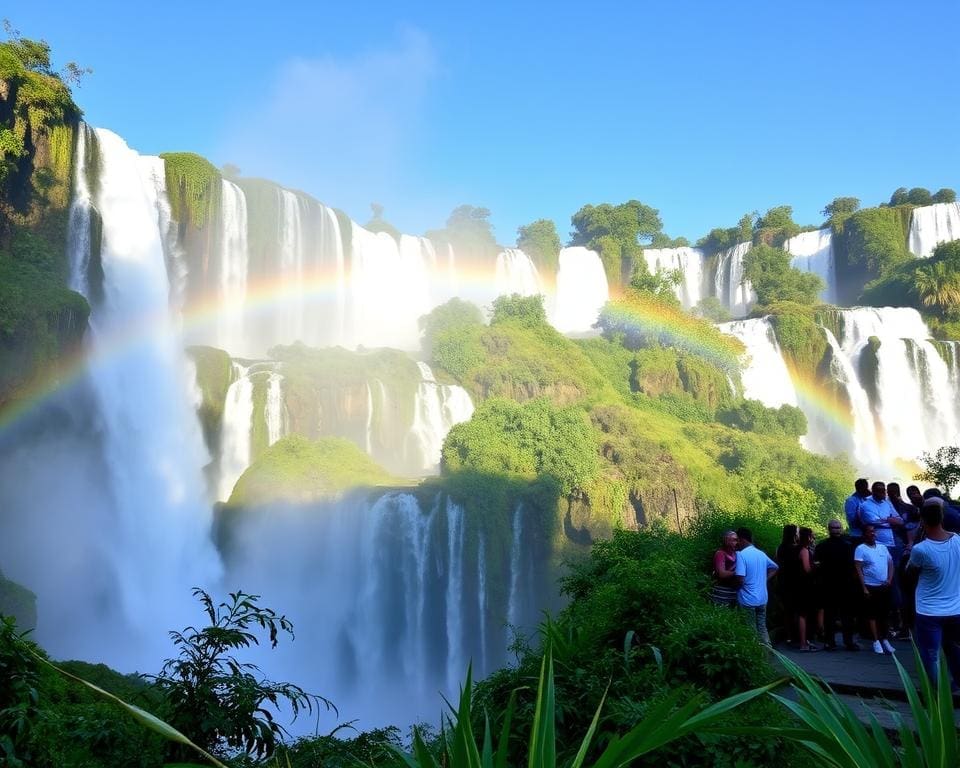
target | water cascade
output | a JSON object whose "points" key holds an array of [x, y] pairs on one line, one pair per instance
{"points": [[233, 269], [765, 376], [413, 588], [235, 453], [931, 225], [729, 286], [813, 252], [581, 290], [152, 445], [436, 409], [276, 422], [516, 273], [689, 262]]}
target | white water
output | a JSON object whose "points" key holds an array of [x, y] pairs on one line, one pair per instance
{"points": [[765, 376], [516, 273], [233, 269], [581, 290], [157, 542], [290, 318], [689, 261], [274, 409], [437, 408], [931, 225], [735, 293], [813, 252], [235, 432]]}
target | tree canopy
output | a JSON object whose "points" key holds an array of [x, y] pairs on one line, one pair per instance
{"points": [[540, 241], [769, 272], [616, 232]]}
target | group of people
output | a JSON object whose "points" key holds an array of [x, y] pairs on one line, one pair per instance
{"points": [[895, 572]]}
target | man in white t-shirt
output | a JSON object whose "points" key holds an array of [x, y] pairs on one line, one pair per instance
{"points": [[937, 558], [752, 571], [875, 571]]}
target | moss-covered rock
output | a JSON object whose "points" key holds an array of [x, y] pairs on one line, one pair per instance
{"points": [[214, 375], [868, 370], [869, 244], [295, 470], [193, 187]]}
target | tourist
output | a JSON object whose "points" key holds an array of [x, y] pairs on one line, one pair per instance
{"points": [[837, 581], [851, 509], [936, 559], [875, 572], [909, 513], [804, 597], [951, 513], [786, 558], [725, 584], [753, 570]]}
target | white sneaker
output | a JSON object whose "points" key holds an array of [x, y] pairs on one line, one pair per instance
{"points": [[886, 646], [877, 648]]}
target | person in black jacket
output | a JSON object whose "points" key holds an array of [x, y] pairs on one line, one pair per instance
{"points": [[837, 582]]}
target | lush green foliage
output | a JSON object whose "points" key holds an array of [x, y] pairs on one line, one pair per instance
{"points": [[752, 415], [773, 279], [945, 195], [193, 186], [214, 375], [540, 241], [297, 469], [18, 602], [840, 209], [214, 699], [451, 337], [712, 309], [659, 285], [869, 244], [469, 230], [616, 232], [776, 226], [522, 311], [942, 467], [720, 239], [531, 440]]}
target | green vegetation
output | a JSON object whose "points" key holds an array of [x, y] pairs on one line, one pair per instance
{"points": [[18, 602], [774, 280], [214, 376], [839, 210], [720, 239], [942, 468], [540, 241], [617, 233], [295, 469], [470, 232], [193, 186], [776, 226], [922, 196], [754, 416]]}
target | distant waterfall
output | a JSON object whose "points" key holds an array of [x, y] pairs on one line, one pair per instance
{"points": [[902, 400], [158, 542], [516, 273], [813, 252], [735, 293], [765, 376], [413, 590], [581, 290], [233, 269], [274, 409], [437, 408], [235, 453], [291, 236], [931, 225], [689, 261]]}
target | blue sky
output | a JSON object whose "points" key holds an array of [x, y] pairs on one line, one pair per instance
{"points": [[704, 110]]}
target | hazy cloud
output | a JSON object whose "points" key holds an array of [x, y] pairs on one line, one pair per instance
{"points": [[340, 128]]}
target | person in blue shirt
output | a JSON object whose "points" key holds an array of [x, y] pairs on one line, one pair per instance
{"points": [[753, 570], [851, 509]]}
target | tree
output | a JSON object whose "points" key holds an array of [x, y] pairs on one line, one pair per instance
{"points": [[712, 309], [35, 57], [919, 196], [942, 468], [778, 223], [616, 232], [659, 284], [840, 208], [527, 311], [945, 195], [937, 285], [540, 241], [215, 700], [378, 224], [769, 272], [900, 196]]}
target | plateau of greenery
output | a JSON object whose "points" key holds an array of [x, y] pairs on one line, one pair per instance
{"points": [[774, 280], [296, 469]]}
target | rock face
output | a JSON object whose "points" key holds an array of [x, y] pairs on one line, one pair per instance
{"points": [[19, 602]]}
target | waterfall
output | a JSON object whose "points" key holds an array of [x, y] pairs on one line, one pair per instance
{"points": [[274, 410], [729, 286], [813, 252], [516, 273], [437, 408], [233, 269], [931, 225], [81, 209], [290, 318], [690, 263], [158, 542], [765, 376], [581, 290], [235, 431], [455, 592]]}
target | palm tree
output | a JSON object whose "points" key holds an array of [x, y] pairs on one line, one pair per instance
{"points": [[937, 286]]}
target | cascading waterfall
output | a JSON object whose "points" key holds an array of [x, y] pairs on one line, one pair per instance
{"points": [[81, 210], [437, 408], [729, 286], [516, 273], [689, 261], [931, 225], [158, 542], [813, 252], [765, 376], [581, 290], [276, 423], [409, 591], [233, 269], [235, 433], [291, 315]]}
